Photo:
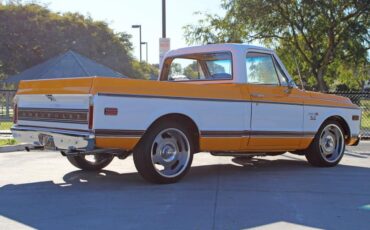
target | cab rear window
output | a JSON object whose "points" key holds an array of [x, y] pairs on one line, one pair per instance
{"points": [[196, 67]]}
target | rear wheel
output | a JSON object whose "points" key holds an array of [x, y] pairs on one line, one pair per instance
{"points": [[91, 162], [165, 153], [327, 149]]}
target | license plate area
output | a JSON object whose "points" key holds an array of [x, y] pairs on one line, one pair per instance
{"points": [[47, 141]]}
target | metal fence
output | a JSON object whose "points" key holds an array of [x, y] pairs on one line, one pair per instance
{"points": [[361, 99], [6, 110]]}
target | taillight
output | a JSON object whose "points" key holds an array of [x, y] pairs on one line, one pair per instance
{"points": [[15, 114], [91, 116]]}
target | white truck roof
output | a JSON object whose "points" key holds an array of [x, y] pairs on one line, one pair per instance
{"points": [[238, 54], [232, 47]]}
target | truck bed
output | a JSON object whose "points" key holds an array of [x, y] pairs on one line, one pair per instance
{"points": [[104, 85]]}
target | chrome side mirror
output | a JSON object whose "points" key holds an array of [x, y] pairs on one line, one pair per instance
{"points": [[291, 84]]}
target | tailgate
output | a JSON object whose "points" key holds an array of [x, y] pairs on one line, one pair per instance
{"points": [[56, 110], [59, 103]]}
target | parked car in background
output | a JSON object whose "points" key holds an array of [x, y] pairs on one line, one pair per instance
{"points": [[227, 99]]}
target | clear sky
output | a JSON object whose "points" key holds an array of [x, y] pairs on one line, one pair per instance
{"points": [[121, 14]]}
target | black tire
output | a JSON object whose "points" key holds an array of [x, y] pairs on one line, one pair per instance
{"points": [[101, 161], [145, 150], [315, 153]]}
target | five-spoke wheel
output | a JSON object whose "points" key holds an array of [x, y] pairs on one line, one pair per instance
{"points": [[328, 147], [170, 152], [165, 153]]}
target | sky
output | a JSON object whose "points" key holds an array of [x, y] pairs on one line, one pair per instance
{"points": [[122, 14]]}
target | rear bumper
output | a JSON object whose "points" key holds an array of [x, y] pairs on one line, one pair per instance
{"points": [[58, 139]]}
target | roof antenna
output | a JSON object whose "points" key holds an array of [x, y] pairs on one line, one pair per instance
{"points": [[299, 72]]}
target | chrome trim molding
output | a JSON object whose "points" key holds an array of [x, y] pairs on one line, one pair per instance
{"points": [[217, 99]]}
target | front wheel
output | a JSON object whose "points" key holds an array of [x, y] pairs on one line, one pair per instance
{"points": [[327, 149], [91, 162], [165, 153]]}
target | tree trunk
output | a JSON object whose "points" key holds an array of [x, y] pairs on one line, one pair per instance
{"points": [[320, 80]]}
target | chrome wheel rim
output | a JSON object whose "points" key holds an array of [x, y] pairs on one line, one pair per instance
{"points": [[331, 143], [170, 152]]}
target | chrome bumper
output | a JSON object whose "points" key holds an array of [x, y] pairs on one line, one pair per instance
{"points": [[57, 139]]}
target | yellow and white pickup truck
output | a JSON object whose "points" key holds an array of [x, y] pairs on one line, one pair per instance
{"points": [[227, 99]]}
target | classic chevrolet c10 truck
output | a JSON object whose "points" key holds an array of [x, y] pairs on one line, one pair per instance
{"points": [[226, 99]]}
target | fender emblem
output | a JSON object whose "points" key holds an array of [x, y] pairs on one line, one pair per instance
{"points": [[51, 97], [313, 116]]}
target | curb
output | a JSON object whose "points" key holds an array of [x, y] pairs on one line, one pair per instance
{"points": [[13, 148]]}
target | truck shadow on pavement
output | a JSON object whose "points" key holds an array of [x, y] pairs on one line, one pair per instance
{"points": [[225, 196]]}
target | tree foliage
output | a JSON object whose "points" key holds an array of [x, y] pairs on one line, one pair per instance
{"points": [[145, 70], [31, 34], [320, 34]]}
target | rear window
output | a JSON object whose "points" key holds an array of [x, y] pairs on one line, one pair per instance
{"points": [[195, 67]]}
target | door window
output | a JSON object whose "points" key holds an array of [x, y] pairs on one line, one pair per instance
{"points": [[261, 69]]}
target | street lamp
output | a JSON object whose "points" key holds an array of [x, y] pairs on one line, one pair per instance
{"points": [[163, 18], [135, 27], [164, 42], [146, 46]]}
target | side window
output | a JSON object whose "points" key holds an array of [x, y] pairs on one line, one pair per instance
{"points": [[202, 66], [261, 69]]}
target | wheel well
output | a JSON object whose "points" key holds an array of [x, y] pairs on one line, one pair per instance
{"points": [[183, 119], [343, 124]]}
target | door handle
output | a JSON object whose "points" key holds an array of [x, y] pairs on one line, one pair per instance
{"points": [[257, 95]]}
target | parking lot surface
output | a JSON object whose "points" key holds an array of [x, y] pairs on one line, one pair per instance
{"points": [[42, 190]]}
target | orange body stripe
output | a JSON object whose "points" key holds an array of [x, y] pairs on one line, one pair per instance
{"points": [[257, 142], [169, 89], [217, 143], [227, 91], [261, 144], [117, 142], [56, 86]]}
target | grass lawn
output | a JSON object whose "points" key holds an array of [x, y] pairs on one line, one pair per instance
{"points": [[365, 122], [5, 125], [7, 142]]}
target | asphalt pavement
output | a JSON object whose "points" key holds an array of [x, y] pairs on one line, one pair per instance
{"points": [[42, 190]]}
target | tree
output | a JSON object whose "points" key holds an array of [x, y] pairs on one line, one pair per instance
{"points": [[31, 34], [192, 70], [320, 31], [145, 70]]}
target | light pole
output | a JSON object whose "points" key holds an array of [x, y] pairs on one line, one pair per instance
{"points": [[164, 42], [146, 46], [138, 26], [163, 18]]}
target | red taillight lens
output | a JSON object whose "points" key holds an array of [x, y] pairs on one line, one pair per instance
{"points": [[91, 116], [15, 114]]}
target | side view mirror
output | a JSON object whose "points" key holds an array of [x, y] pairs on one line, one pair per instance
{"points": [[291, 84]]}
